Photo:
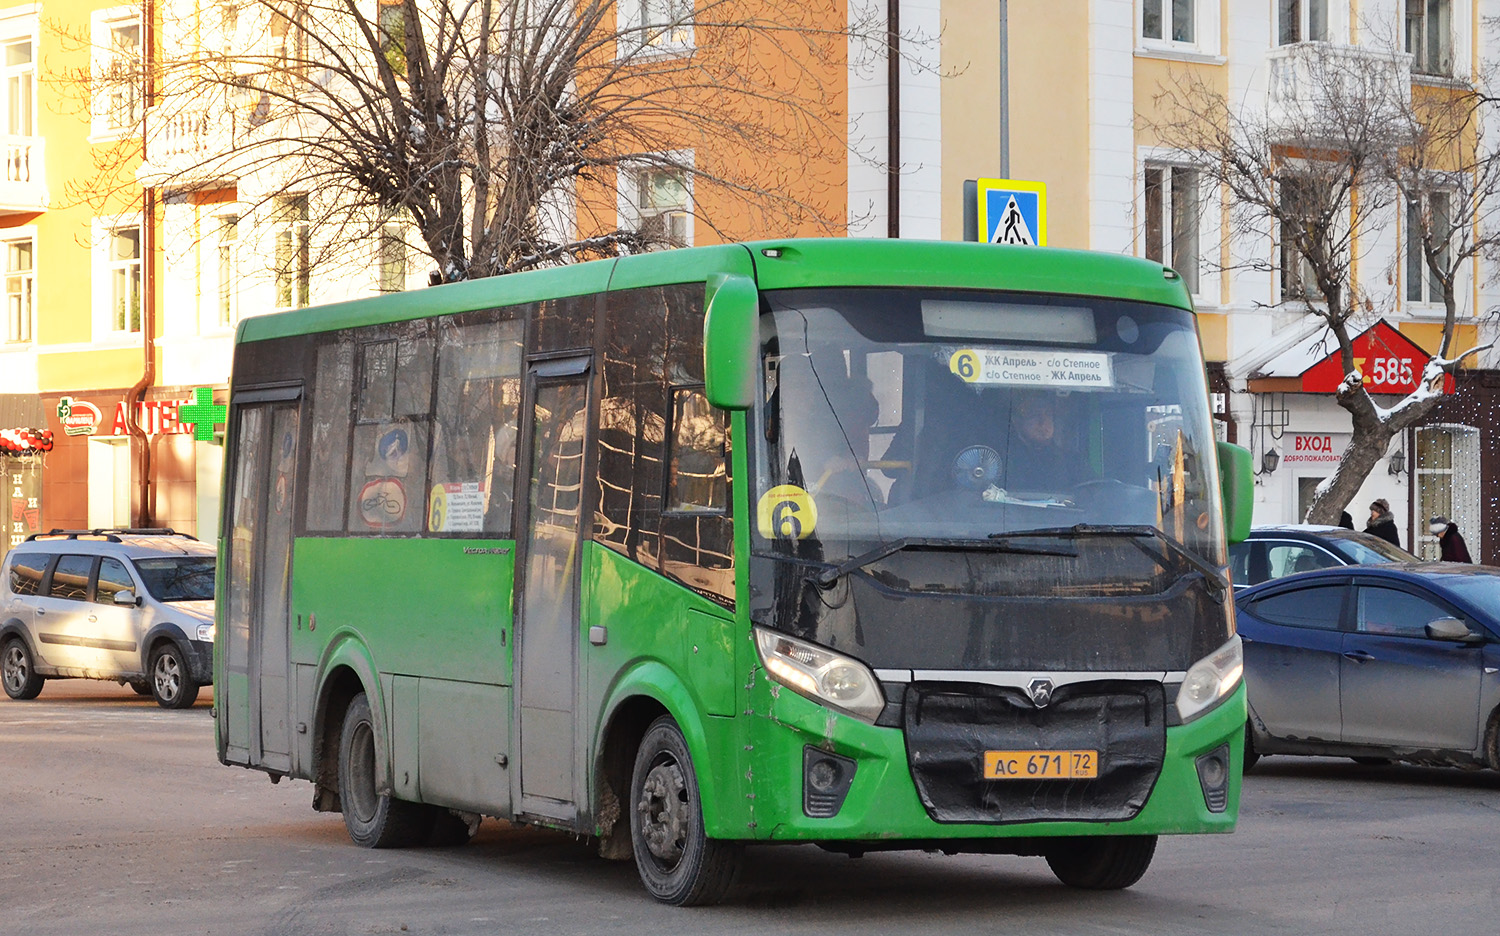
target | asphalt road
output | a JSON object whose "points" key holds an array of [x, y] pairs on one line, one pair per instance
{"points": [[115, 818]]}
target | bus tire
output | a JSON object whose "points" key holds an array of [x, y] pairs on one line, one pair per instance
{"points": [[1103, 862], [679, 864], [18, 671], [374, 819]]}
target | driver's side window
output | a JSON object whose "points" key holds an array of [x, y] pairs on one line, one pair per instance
{"points": [[1393, 613]]}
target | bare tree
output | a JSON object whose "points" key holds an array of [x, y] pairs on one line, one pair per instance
{"points": [[509, 134], [1340, 146]]}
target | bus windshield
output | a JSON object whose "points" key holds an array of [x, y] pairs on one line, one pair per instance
{"points": [[891, 413]]}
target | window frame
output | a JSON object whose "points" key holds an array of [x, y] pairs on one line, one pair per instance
{"points": [[1429, 298], [1344, 584], [636, 41], [632, 213], [24, 332], [107, 265], [1448, 44], [25, 74], [1167, 223], [226, 297], [1405, 588], [107, 65], [292, 272], [1304, 24]]}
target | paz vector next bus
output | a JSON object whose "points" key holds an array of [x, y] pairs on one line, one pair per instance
{"points": [[871, 544]]}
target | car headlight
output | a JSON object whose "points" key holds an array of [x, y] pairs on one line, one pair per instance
{"points": [[1211, 679], [826, 677], [206, 632]]}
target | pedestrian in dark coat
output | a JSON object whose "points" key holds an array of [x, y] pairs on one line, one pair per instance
{"points": [[1452, 545], [1382, 524], [1346, 521]]}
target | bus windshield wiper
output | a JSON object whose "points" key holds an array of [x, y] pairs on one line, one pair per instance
{"points": [[1135, 531], [829, 576]]}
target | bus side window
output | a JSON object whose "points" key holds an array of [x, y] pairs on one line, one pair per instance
{"points": [[328, 477], [389, 458], [696, 481], [474, 426]]}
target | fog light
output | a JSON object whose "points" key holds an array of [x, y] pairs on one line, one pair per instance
{"points": [[826, 779], [1213, 776]]}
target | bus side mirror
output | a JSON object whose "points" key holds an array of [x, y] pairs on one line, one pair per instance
{"points": [[1237, 486], [731, 341]]}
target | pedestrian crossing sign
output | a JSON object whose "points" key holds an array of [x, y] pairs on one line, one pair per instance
{"points": [[1013, 212]]}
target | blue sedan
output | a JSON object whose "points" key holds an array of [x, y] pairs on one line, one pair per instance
{"points": [[1377, 663]]}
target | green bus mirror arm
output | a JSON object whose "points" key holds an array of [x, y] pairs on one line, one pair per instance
{"points": [[731, 341], [1237, 487]]}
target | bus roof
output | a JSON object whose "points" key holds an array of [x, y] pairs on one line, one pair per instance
{"points": [[775, 264]]}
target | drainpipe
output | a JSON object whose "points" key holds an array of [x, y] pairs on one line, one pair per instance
{"points": [[893, 118], [134, 398]]}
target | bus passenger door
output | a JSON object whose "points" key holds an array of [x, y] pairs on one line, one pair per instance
{"points": [[547, 616], [255, 699]]}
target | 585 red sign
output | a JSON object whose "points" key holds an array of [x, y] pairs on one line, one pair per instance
{"points": [[1388, 361]]}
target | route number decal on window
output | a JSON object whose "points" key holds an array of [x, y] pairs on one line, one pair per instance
{"points": [[786, 512]]}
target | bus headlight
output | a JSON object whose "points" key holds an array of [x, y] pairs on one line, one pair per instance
{"points": [[1211, 679], [824, 676]]}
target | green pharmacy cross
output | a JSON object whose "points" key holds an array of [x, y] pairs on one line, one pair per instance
{"points": [[202, 414]]}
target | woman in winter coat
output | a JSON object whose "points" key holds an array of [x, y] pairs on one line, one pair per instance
{"points": [[1452, 545], [1382, 524]]}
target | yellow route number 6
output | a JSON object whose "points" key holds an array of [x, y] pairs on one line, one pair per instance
{"points": [[786, 511]]}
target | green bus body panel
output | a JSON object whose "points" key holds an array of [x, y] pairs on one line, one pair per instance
{"points": [[883, 802], [652, 623], [801, 263], [436, 608], [861, 262]]}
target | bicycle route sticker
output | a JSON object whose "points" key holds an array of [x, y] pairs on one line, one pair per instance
{"points": [[786, 511]]}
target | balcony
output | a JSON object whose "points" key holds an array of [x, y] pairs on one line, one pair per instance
{"points": [[1317, 90], [185, 145], [23, 188]]}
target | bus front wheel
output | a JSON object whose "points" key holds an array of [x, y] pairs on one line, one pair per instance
{"points": [[374, 819], [1102, 863], [677, 861]]}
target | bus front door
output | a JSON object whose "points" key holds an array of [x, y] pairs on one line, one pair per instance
{"points": [[256, 655], [547, 627]]}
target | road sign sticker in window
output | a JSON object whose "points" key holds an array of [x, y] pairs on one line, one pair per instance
{"points": [[1002, 367]]}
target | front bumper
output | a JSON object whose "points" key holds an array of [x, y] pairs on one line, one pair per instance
{"points": [[883, 802], [201, 661]]}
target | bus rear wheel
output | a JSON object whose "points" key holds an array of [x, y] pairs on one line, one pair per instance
{"points": [[679, 864], [374, 819], [1102, 863]]}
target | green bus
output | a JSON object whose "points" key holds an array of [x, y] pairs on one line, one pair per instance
{"points": [[869, 544]]}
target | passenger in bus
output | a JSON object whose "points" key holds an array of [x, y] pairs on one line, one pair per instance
{"points": [[1038, 457], [839, 470]]}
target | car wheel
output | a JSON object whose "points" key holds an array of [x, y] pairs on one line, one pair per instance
{"points": [[172, 684], [1492, 741], [1102, 863], [374, 819], [1251, 754], [17, 672], [1372, 761], [677, 861]]}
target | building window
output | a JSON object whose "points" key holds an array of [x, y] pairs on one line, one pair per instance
{"points": [[117, 94], [1421, 284], [1301, 21], [293, 263], [392, 260], [1170, 20], [1172, 220], [1298, 281], [662, 201], [124, 253], [227, 273], [20, 89], [1448, 480], [392, 27], [1429, 36], [288, 42], [657, 25], [20, 286]]}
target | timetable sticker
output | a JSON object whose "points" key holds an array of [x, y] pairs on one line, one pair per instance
{"points": [[1002, 367]]}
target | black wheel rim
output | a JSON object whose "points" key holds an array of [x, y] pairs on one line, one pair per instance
{"points": [[665, 812], [362, 798]]}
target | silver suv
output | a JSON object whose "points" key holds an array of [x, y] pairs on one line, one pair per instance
{"points": [[135, 606]]}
